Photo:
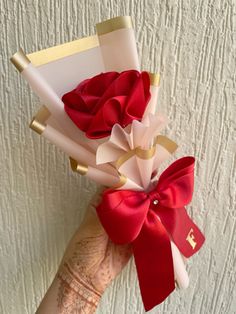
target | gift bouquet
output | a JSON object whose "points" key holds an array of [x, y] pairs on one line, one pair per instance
{"points": [[100, 109]]}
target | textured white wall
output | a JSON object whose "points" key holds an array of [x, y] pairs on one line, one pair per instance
{"points": [[193, 45]]}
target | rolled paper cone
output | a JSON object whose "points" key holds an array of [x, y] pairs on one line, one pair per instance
{"points": [[118, 45], [121, 182], [154, 87], [102, 177], [70, 147], [128, 167], [129, 185], [161, 155], [47, 95], [145, 168], [145, 165], [145, 159], [95, 174], [44, 116], [181, 275], [164, 148]]}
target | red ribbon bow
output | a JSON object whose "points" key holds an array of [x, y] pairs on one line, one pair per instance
{"points": [[149, 220]]}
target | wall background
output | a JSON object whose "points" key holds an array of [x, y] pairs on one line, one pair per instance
{"points": [[193, 45]]}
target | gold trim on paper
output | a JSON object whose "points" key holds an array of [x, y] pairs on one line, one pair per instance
{"points": [[114, 24], [38, 122], [167, 143], [78, 167], [20, 60], [124, 158], [122, 181], [154, 79], [139, 152], [37, 126], [43, 114], [162, 140], [58, 52], [83, 169], [145, 153]]}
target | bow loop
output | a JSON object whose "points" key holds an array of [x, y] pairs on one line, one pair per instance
{"points": [[175, 185], [148, 221], [122, 214], [154, 197]]}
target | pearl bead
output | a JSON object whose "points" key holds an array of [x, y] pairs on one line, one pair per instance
{"points": [[155, 202]]}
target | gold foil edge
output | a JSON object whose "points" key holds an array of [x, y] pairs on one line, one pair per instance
{"points": [[145, 153], [122, 181], [124, 158], [161, 140], [38, 122], [167, 143], [20, 60], [114, 24], [43, 114], [51, 54], [139, 152], [154, 79], [78, 167], [37, 126]]}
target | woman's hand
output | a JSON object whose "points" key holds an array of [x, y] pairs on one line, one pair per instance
{"points": [[90, 263]]}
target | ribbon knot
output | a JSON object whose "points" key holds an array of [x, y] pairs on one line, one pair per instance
{"points": [[149, 221], [154, 197]]}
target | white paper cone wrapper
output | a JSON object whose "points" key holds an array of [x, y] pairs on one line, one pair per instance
{"points": [[118, 45], [74, 150], [130, 169], [152, 105], [71, 148], [181, 275], [102, 177], [59, 69], [161, 155], [65, 74], [130, 185], [55, 105], [145, 169]]}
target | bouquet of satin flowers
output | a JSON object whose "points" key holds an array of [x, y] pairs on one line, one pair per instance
{"points": [[100, 109]]}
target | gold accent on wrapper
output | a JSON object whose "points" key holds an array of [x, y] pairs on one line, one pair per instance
{"points": [[139, 152], [162, 140], [20, 60], [124, 158], [145, 153], [114, 24], [83, 169], [37, 126], [168, 144], [122, 181], [61, 51], [38, 122], [43, 114], [77, 167], [154, 79]]}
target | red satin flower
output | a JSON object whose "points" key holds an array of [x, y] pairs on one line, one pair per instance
{"points": [[149, 221], [96, 104]]}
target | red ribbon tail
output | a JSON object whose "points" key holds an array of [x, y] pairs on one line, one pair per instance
{"points": [[184, 232], [153, 259]]}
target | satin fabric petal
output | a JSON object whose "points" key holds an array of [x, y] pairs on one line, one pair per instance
{"points": [[97, 104], [106, 117], [126, 211]]}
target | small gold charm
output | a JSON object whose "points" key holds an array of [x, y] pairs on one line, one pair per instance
{"points": [[191, 239]]}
